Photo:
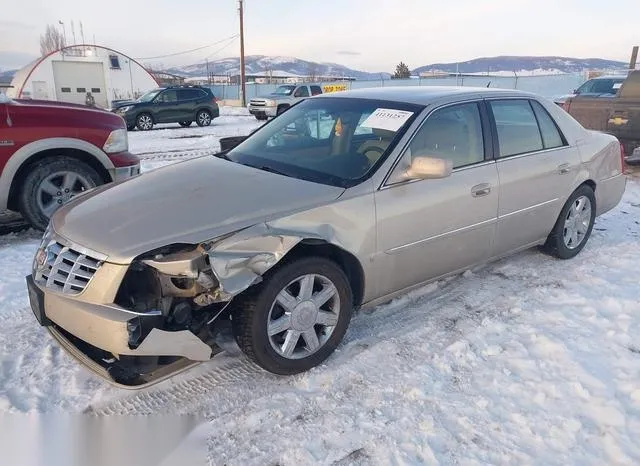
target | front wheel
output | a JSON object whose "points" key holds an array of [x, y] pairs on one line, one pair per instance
{"points": [[574, 225], [185, 124], [203, 118], [144, 122], [296, 317], [51, 183]]}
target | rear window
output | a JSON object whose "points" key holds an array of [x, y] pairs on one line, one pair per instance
{"points": [[551, 136], [188, 94]]}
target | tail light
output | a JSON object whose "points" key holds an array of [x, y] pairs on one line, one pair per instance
{"points": [[214, 100]]}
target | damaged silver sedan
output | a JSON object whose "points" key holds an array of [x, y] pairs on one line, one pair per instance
{"points": [[343, 201]]}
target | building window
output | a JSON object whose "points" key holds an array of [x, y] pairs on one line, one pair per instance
{"points": [[114, 61], [81, 89], [66, 89], [95, 90]]}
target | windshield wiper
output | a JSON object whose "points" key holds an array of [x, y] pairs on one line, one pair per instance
{"points": [[272, 170], [223, 155]]}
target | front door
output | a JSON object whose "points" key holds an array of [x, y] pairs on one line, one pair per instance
{"points": [[535, 165], [166, 107], [429, 228]]}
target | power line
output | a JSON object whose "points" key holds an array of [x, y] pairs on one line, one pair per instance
{"points": [[232, 40], [188, 51]]}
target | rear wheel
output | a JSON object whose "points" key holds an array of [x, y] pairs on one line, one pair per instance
{"points": [[574, 225], [144, 122], [296, 317], [51, 183], [203, 118], [185, 124]]}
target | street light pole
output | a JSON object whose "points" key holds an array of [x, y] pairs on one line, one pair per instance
{"points": [[243, 98]]}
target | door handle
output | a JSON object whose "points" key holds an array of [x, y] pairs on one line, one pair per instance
{"points": [[564, 168], [481, 190]]}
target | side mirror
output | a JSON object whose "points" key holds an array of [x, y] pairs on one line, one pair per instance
{"points": [[423, 168]]}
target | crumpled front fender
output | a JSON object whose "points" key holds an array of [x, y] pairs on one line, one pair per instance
{"points": [[241, 260]]}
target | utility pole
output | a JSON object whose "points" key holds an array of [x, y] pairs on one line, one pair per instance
{"points": [[208, 75], [243, 98], [634, 58]]}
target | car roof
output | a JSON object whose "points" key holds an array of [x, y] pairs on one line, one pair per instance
{"points": [[425, 95]]}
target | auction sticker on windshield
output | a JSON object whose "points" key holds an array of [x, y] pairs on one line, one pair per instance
{"points": [[386, 118]]}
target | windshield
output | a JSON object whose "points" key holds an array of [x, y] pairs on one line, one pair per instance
{"points": [[149, 96], [284, 90], [329, 140]]}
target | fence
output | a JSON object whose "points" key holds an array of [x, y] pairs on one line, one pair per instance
{"points": [[548, 86]]}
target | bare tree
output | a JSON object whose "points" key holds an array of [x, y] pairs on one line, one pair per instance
{"points": [[312, 72], [51, 40]]}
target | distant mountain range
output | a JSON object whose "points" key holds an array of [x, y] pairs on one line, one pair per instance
{"points": [[291, 66], [281, 66], [553, 65]]}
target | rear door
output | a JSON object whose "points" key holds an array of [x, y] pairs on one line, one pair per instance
{"points": [[188, 101], [536, 167]]}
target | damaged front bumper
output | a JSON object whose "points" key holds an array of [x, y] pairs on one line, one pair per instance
{"points": [[138, 323]]}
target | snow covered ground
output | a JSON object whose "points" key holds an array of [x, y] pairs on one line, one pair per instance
{"points": [[529, 360]]}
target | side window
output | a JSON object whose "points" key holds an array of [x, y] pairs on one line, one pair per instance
{"points": [[188, 94], [586, 87], [517, 127], [168, 97], [550, 134], [302, 91], [453, 133], [315, 90]]}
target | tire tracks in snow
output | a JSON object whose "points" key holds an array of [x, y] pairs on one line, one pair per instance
{"points": [[235, 382]]}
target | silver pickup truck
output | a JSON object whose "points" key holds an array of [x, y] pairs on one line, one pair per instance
{"points": [[281, 99]]}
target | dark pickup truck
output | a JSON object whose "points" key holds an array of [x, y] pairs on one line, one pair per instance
{"points": [[618, 115]]}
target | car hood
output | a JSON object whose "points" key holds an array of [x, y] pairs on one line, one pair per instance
{"points": [[187, 202]]}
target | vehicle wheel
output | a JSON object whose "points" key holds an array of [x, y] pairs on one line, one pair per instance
{"points": [[296, 317], [281, 109], [185, 124], [144, 122], [51, 183], [131, 127], [203, 118], [261, 117], [573, 227]]}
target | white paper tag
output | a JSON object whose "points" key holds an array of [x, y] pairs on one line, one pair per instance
{"points": [[617, 85], [386, 118]]}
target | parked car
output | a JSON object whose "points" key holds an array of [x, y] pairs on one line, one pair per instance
{"points": [[601, 86], [344, 201], [173, 104], [617, 114], [285, 96], [51, 152]]}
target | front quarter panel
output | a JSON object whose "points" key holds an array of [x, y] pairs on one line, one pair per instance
{"points": [[240, 260]]}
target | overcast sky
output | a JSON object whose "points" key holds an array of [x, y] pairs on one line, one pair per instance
{"points": [[371, 35]]}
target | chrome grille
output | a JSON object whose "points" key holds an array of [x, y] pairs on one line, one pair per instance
{"points": [[65, 269], [257, 103]]}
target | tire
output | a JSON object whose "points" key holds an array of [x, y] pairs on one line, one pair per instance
{"points": [[185, 124], [259, 307], [561, 243], [37, 203], [262, 117], [281, 109], [203, 118], [144, 122]]}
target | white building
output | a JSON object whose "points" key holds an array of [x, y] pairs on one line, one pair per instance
{"points": [[68, 74]]}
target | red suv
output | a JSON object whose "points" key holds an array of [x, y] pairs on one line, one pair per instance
{"points": [[51, 151]]}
